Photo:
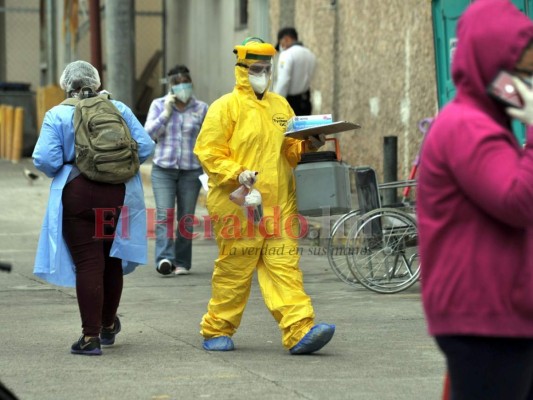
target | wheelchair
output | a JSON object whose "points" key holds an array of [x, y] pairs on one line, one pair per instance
{"points": [[376, 246]]}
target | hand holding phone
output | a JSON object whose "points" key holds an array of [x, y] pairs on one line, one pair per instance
{"points": [[524, 114], [503, 89]]}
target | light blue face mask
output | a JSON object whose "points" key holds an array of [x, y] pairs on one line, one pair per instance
{"points": [[183, 91]]}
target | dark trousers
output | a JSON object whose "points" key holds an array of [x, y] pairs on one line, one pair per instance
{"points": [[86, 229], [487, 368], [301, 103]]}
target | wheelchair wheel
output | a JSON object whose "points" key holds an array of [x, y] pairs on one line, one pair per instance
{"points": [[384, 250], [338, 252]]}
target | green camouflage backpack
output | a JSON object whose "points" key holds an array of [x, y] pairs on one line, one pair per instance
{"points": [[105, 149]]}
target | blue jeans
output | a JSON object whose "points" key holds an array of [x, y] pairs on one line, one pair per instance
{"points": [[171, 186]]}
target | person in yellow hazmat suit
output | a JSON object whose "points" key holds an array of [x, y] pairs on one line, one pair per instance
{"points": [[242, 142]]}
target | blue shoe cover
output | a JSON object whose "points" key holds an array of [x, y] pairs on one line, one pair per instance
{"points": [[314, 340], [219, 343]]}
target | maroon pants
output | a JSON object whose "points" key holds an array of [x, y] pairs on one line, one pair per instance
{"points": [[98, 276]]}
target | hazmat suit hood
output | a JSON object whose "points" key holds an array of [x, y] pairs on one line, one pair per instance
{"points": [[249, 52], [488, 41]]}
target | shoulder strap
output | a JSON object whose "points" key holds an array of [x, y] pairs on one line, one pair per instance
{"points": [[71, 101]]}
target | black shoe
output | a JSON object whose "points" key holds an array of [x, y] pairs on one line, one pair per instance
{"points": [[165, 267], [89, 348], [107, 337]]}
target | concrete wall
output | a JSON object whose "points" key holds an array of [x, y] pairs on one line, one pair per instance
{"points": [[202, 34], [22, 42], [22, 38], [375, 67]]}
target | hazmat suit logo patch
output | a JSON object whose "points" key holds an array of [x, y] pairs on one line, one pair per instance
{"points": [[280, 120]]}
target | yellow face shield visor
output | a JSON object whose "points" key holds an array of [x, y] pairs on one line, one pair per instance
{"points": [[254, 48]]}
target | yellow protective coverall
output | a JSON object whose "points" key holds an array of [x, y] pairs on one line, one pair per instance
{"points": [[241, 133]]}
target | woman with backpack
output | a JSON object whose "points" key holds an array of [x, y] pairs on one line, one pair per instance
{"points": [[94, 229]]}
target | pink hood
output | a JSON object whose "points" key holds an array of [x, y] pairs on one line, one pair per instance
{"points": [[491, 37]]}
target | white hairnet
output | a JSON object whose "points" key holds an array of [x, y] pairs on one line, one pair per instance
{"points": [[79, 74]]}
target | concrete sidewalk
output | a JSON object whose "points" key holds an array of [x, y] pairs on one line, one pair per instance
{"points": [[380, 350]]}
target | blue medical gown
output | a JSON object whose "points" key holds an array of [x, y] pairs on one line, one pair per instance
{"points": [[54, 148]]}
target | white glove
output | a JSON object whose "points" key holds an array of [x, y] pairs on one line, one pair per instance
{"points": [[524, 114], [170, 100], [247, 178], [316, 142]]}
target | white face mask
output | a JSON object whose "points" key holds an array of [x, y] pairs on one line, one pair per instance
{"points": [[259, 82], [183, 91]]}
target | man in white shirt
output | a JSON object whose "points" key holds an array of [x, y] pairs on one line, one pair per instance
{"points": [[296, 65]]}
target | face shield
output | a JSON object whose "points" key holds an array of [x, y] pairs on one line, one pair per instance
{"points": [[259, 75], [260, 67], [180, 85], [256, 56]]}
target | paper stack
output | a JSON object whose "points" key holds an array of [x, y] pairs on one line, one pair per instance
{"points": [[308, 121]]}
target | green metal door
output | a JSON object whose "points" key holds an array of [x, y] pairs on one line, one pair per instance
{"points": [[446, 14]]}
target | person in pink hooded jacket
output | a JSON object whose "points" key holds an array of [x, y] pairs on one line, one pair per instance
{"points": [[475, 212]]}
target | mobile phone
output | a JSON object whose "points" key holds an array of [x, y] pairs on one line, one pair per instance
{"points": [[502, 88]]}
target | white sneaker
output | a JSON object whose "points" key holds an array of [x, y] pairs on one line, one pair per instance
{"points": [[181, 271]]}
